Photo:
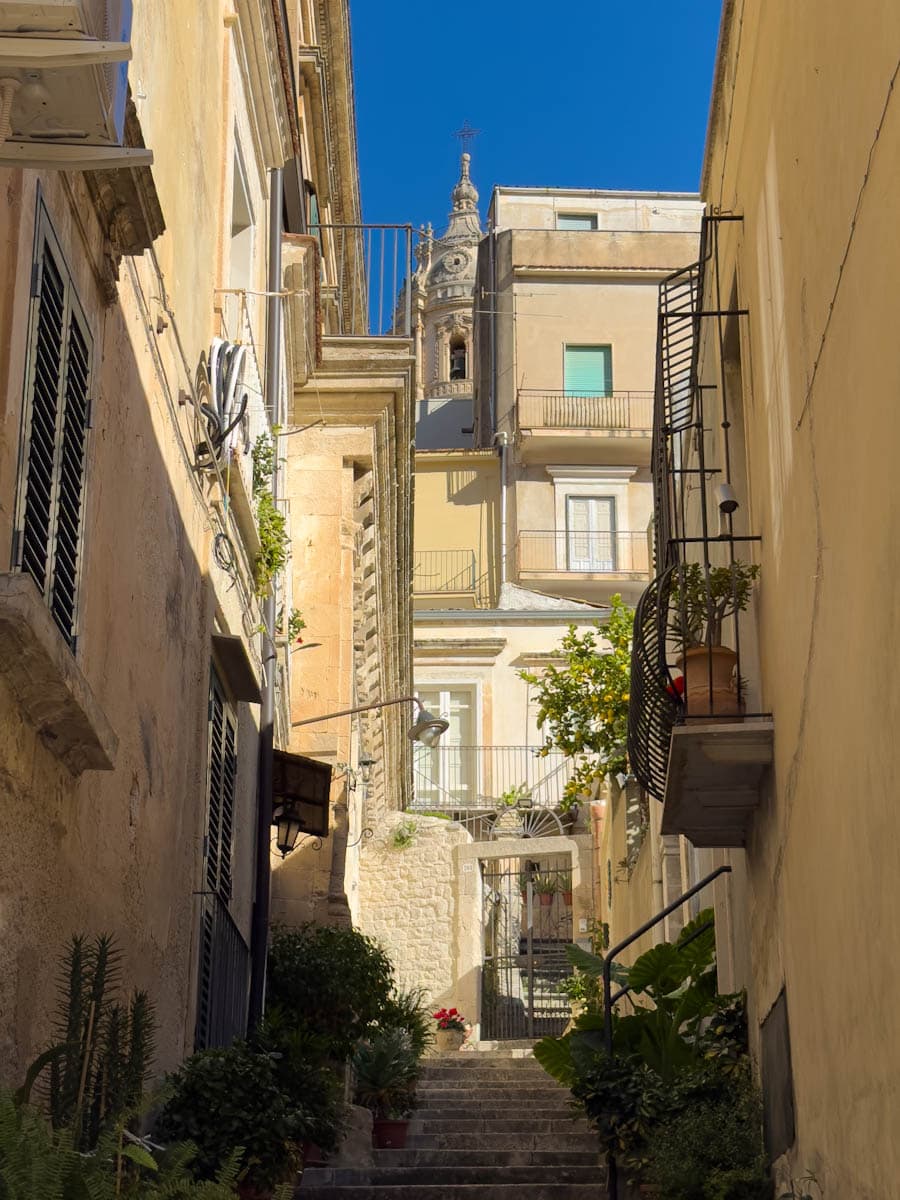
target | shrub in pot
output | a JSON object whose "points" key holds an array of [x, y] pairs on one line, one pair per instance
{"points": [[565, 887], [222, 1100], [408, 1011], [306, 1076], [701, 601], [386, 1068], [334, 982], [546, 888]]}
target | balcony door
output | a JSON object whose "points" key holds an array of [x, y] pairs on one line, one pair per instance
{"points": [[591, 533], [446, 776]]}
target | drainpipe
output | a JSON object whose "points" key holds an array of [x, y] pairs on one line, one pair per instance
{"points": [[259, 931], [501, 440]]}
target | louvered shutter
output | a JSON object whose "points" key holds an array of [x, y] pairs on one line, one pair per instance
{"points": [[56, 424], [222, 779]]}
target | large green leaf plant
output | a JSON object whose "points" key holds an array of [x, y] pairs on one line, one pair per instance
{"points": [[678, 1044]]}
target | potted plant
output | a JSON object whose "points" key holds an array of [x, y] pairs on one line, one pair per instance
{"points": [[386, 1068], [546, 887], [229, 1098], [702, 599], [565, 886], [451, 1029]]}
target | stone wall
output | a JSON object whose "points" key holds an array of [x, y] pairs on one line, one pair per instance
{"points": [[410, 899]]}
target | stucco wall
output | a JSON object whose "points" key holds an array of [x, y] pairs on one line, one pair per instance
{"points": [[816, 260]]}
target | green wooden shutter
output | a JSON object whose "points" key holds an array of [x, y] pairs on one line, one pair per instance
{"points": [[587, 370]]}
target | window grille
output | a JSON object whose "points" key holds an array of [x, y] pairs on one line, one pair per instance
{"points": [[57, 418], [222, 776]]}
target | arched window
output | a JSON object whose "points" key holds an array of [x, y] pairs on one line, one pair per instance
{"points": [[458, 357]]}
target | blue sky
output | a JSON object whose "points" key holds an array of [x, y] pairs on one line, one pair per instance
{"points": [[580, 94]]}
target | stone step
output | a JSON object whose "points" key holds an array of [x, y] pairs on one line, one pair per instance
{"points": [[499, 1096], [448, 1176], [461, 1075], [503, 1141], [460, 1191], [499, 1158], [478, 1107], [474, 1109], [491, 1086], [511, 1125], [513, 1069]]}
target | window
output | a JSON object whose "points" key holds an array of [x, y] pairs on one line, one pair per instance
{"points": [[591, 533], [242, 223], [587, 370], [458, 365], [446, 776], [47, 543], [576, 220], [224, 955]]}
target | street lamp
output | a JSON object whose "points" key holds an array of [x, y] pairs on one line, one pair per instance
{"points": [[427, 728]]}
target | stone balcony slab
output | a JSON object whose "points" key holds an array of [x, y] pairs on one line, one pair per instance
{"points": [[715, 779], [41, 672]]}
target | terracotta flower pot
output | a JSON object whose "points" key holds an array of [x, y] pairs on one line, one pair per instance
{"points": [[449, 1039], [546, 899], [567, 899], [248, 1191], [389, 1135], [312, 1155], [696, 663]]}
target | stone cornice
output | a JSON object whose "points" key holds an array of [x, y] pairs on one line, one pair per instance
{"points": [[127, 207], [258, 54]]}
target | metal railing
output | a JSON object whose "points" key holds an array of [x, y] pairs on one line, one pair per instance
{"points": [[483, 777], [600, 553], [444, 571], [223, 985], [626, 411], [610, 998], [365, 274]]}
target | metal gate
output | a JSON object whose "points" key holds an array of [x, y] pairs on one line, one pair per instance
{"points": [[527, 924]]}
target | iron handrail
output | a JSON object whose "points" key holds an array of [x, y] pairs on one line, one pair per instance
{"points": [[612, 1174]]}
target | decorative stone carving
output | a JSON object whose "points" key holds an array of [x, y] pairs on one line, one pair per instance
{"points": [[127, 206]]}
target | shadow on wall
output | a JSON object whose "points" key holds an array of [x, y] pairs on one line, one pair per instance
{"points": [[442, 425], [120, 852]]}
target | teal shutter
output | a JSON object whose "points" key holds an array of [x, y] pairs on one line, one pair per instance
{"points": [[588, 370]]}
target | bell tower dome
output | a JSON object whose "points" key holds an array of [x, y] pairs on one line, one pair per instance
{"points": [[444, 290]]}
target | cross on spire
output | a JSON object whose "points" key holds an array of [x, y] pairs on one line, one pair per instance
{"points": [[466, 134]]}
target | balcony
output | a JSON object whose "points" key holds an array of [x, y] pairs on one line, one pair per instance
{"points": [[587, 565], [616, 427], [447, 579], [698, 739], [460, 778]]}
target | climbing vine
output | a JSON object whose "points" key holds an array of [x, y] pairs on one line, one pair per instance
{"points": [[270, 520]]}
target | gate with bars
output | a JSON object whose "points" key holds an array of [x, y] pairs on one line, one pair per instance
{"points": [[527, 924]]}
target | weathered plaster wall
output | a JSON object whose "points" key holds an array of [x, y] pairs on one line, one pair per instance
{"points": [[806, 145], [122, 851]]}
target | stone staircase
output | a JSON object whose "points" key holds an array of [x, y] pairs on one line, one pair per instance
{"points": [[488, 1126]]}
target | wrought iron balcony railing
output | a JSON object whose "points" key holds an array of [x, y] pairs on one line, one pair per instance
{"points": [[592, 553], [628, 412], [364, 269], [450, 778], [436, 571]]}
